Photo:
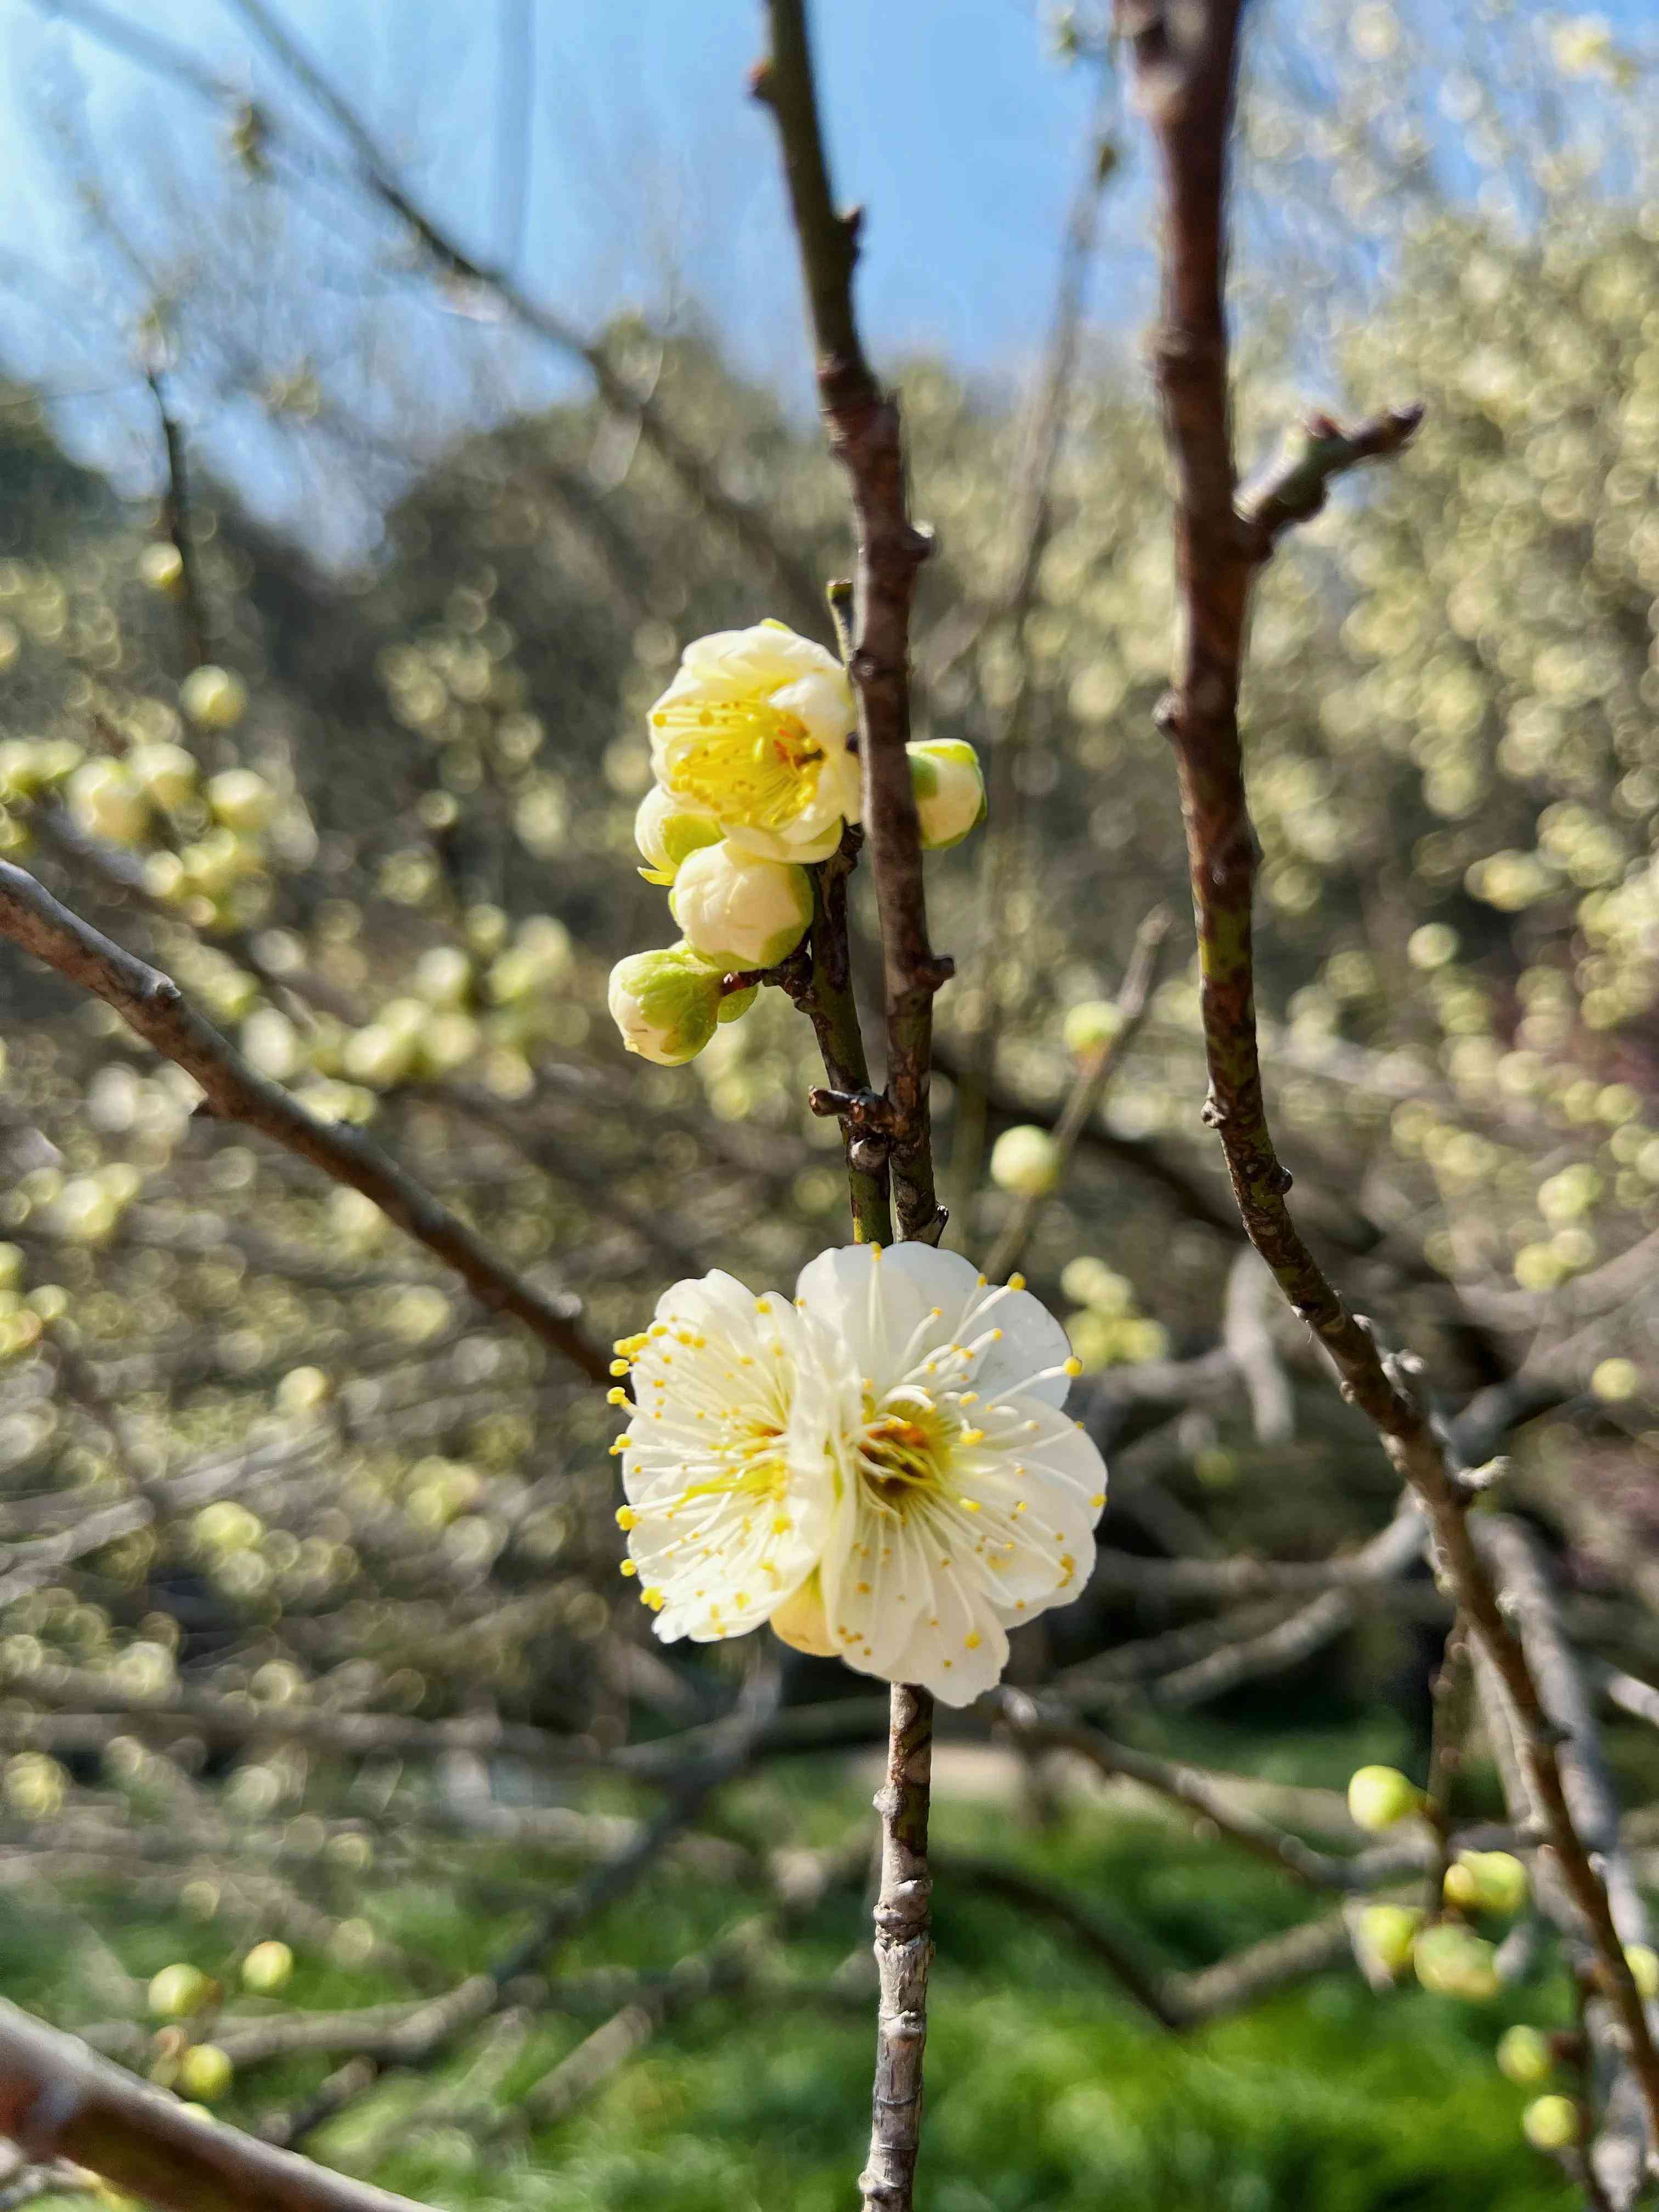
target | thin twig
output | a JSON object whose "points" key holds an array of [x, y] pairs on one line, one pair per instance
{"points": [[175, 515], [156, 1008], [1093, 1079]]}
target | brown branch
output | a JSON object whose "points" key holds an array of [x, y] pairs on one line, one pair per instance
{"points": [[58, 2100], [1092, 1080], [862, 421], [155, 1008], [1185, 65], [175, 516]]}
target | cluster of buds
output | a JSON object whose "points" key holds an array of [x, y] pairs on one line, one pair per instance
{"points": [[756, 778]]}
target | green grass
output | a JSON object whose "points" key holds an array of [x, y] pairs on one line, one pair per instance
{"points": [[1044, 2089]]}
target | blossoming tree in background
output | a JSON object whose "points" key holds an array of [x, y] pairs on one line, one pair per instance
{"points": [[891, 1470]]}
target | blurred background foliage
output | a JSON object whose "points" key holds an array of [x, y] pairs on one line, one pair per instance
{"points": [[278, 1501]]}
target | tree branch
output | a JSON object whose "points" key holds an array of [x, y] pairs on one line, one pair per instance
{"points": [[155, 1008], [58, 2100], [1185, 65]]}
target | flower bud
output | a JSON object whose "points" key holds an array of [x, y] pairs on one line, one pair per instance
{"points": [[665, 1005], [668, 830], [1378, 1797], [213, 698], [1025, 1160], [802, 1622], [944, 774], [1486, 1882], [1643, 1964], [105, 800], [205, 2071], [165, 773], [162, 567], [741, 912], [1388, 1932], [1524, 2057], [177, 1992], [443, 976], [1551, 2124], [241, 799], [267, 1968], [1454, 1963], [1088, 1025]]}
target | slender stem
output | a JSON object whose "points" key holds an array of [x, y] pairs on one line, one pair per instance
{"points": [[156, 1008], [175, 514], [1090, 1088], [1452, 1694], [1185, 66]]}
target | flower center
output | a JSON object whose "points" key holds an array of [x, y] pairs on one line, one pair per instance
{"points": [[903, 1450], [743, 759]]}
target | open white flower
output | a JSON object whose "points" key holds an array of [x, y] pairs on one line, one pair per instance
{"points": [[731, 1492], [925, 1448], [754, 729]]}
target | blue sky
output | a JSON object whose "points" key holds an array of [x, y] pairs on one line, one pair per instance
{"points": [[652, 176], [653, 181]]}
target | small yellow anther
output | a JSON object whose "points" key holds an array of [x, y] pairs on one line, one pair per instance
{"points": [[622, 1366], [629, 1567], [627, 1517], [1073, 1365], [1017, 1282], [971, 1641], [615, 1397]]}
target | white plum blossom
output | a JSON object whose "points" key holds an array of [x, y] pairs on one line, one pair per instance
{"points": [[885, 1471], [754, 730], [738, 911]]}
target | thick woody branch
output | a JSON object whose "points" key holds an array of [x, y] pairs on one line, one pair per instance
{"points": [[155, 1007], [1185, 64], [58, 2100]]}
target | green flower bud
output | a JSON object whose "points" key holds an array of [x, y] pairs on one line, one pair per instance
{"points": [[950, 789], [1090, 1026], [177, 1992], [1380, 1796], [205, 2072], [741, 912], [1551, 2124], [162, 567], [267, 1968], [668, 830], [1454, 1963], [1025, 1160], [1524, 2057], [1388, 1933], [665, 1005], [1486, 1882]]}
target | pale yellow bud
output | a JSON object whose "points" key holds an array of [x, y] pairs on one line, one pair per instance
{"points": [[1026, 1161], [213, 698], [1551, 2124], [950, 789], [165, 773], [242, 800], [1380, 1796], [741, 912], [1388, 1932], [1088, 1025], [267, 1968], [162, 567], [1524, 2057], [105, 800]]}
